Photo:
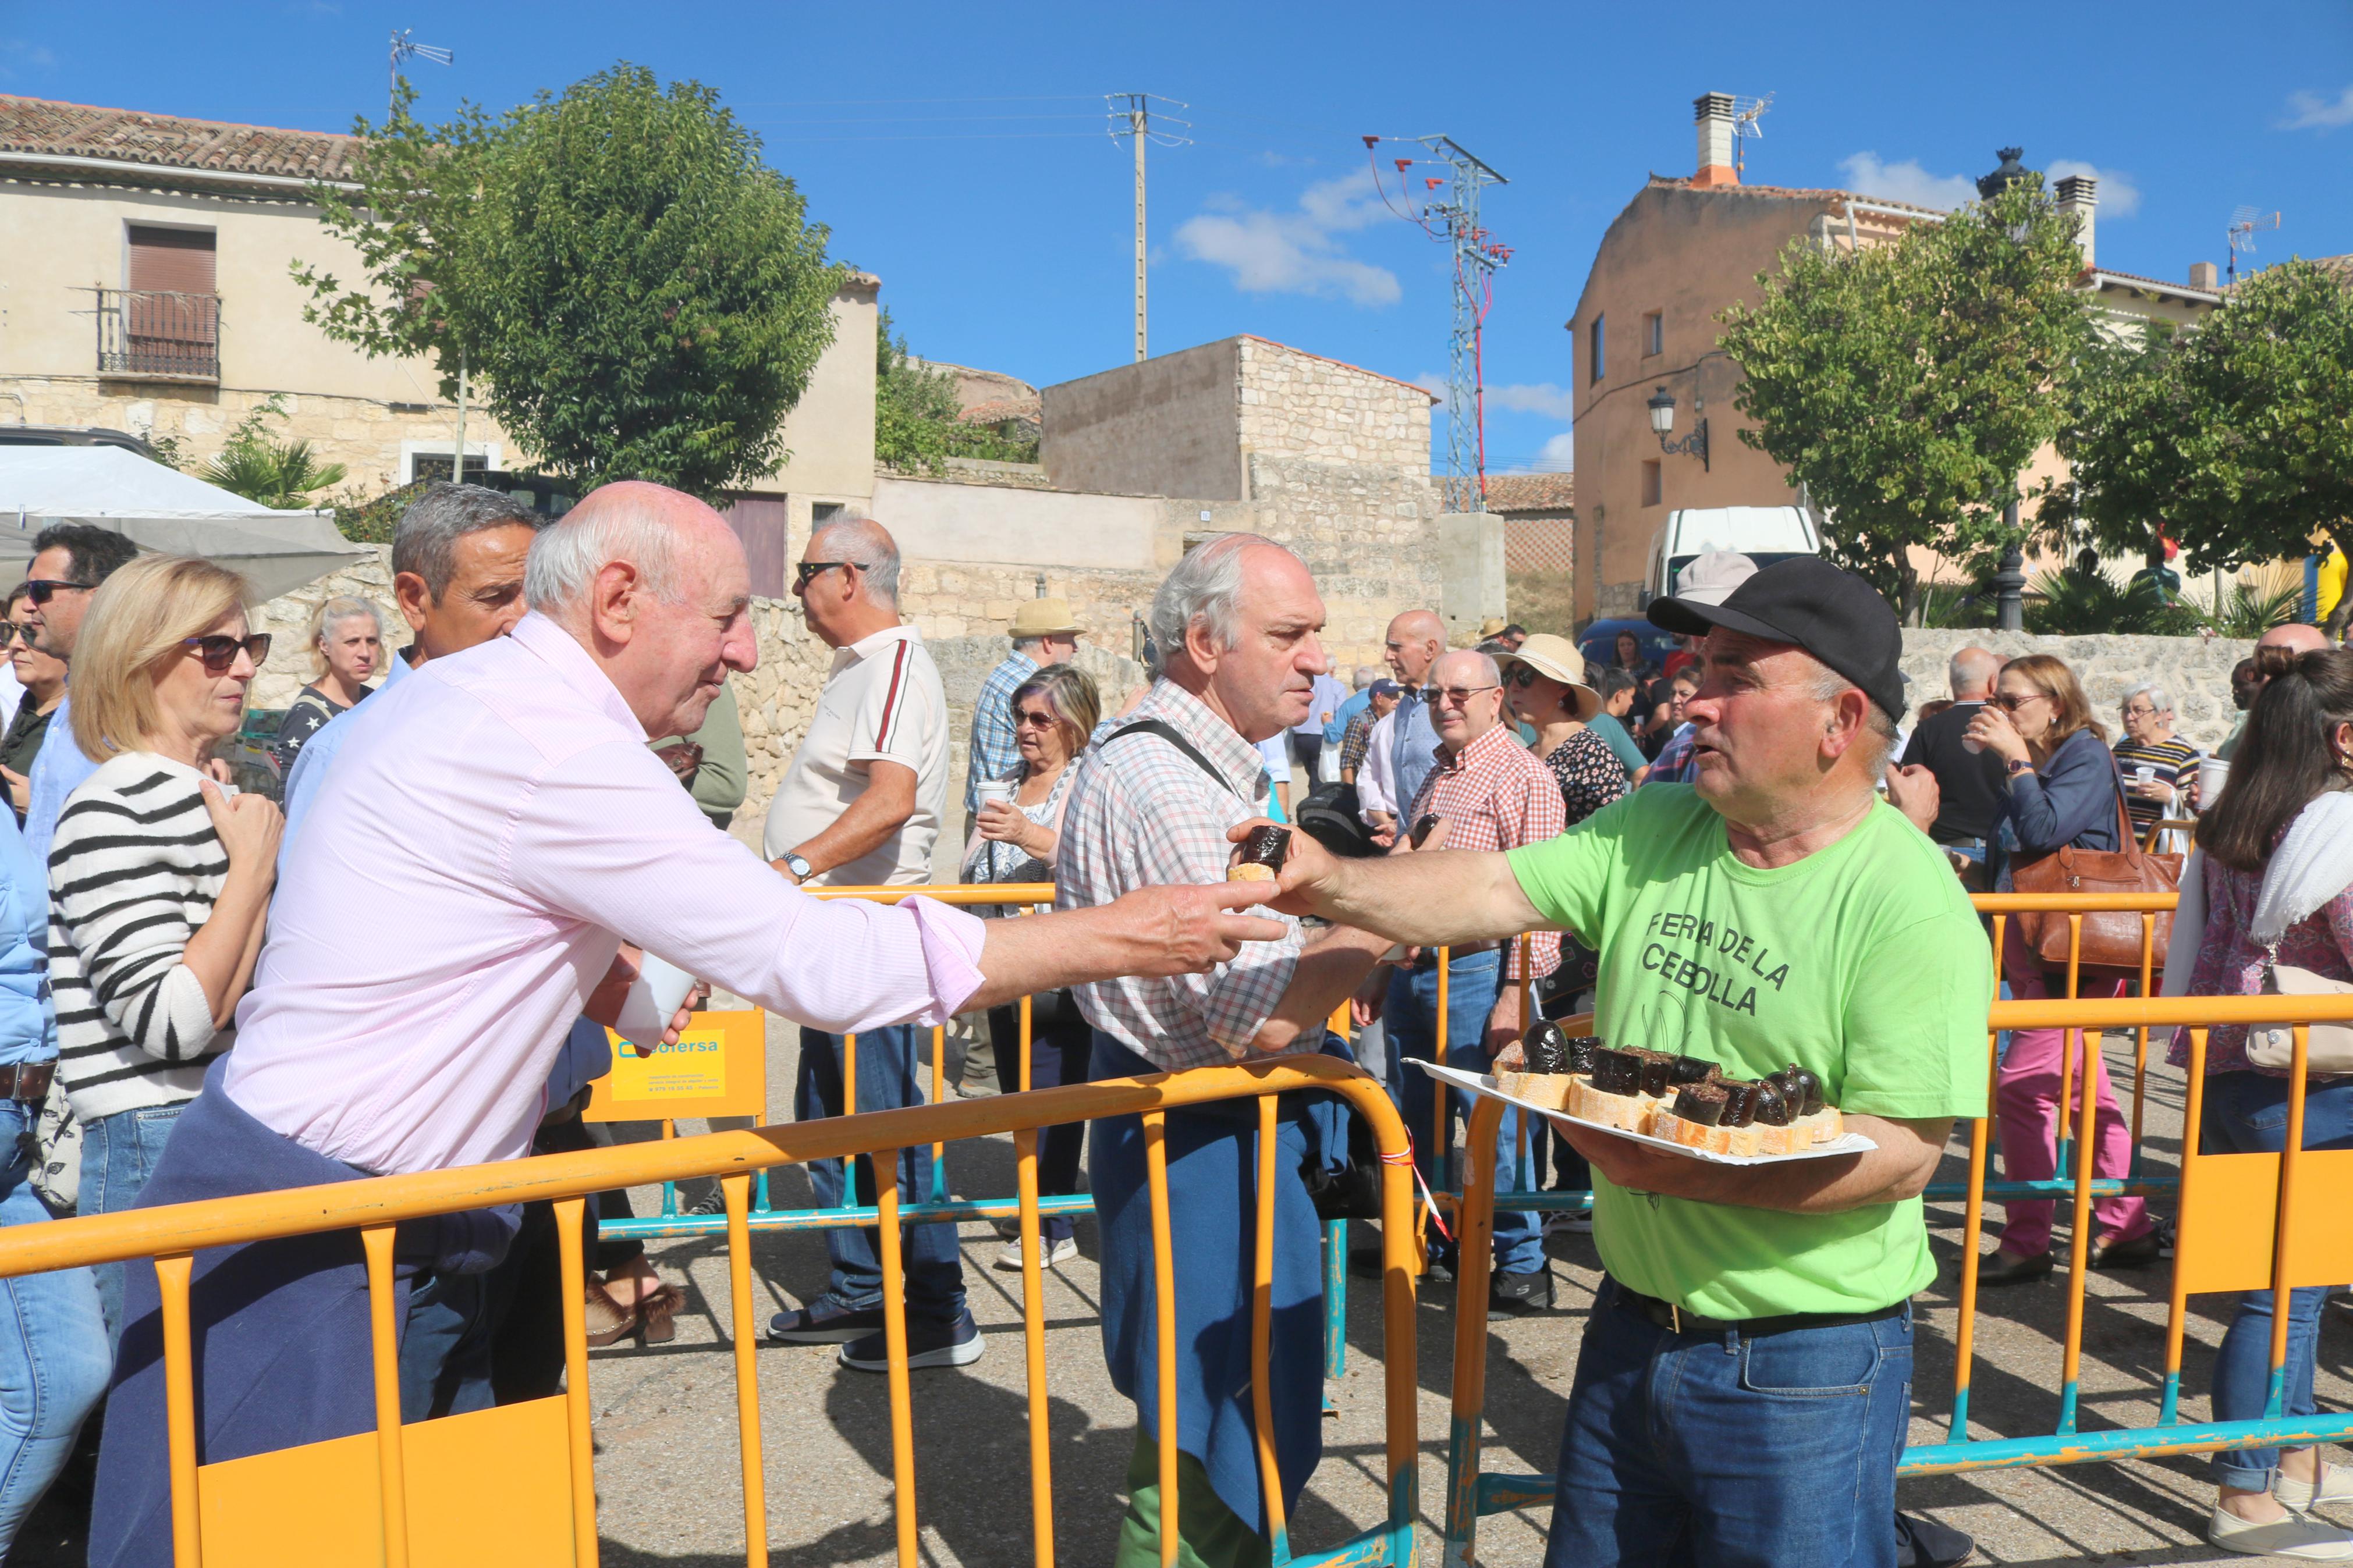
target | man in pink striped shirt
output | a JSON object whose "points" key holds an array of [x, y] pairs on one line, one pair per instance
{"points": [[504, 827]]}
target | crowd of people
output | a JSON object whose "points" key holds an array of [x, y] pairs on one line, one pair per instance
{"points": [[533, 789]]}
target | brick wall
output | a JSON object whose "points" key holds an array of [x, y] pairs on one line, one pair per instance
{"points": [[1298, 405]]}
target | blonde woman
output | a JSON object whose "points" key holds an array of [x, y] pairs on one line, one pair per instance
{"points": [[159, 880], [347, 642]]}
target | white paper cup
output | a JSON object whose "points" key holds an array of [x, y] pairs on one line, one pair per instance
{"points": [[997, 790], [2212, 774], [2143, 776], [1971, 747], [654, 999]]}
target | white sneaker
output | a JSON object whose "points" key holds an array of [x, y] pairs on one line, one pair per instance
{"points": [[1061, 1251], [2335, 1486], [2291, 1537]]}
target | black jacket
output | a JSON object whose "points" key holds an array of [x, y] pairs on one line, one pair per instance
{"points": [[1970, 784]]}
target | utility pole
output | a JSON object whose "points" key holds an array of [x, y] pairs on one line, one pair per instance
{"points": [[1134, 119]]}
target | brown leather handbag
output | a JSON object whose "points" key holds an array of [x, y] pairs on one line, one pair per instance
{"points": [[2111, 942]]}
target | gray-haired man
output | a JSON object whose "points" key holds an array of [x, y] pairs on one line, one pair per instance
{"points": [[456, 572]]}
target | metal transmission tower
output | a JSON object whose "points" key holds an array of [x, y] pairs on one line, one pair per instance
{"points": [[1131, 115], [1454, 218], [2244, 223]]}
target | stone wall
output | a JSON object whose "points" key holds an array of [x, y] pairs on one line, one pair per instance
{"points": [[2195, 671], [1302, 405]]}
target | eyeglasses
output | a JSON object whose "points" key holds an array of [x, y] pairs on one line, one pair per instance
{"points": [[1521, 678], [40, 590], [219, 650], [1459, 695], [2011, 702], [17, 631], [1033, 721], [807, 572]]}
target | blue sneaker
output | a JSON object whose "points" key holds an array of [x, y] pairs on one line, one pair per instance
{"points": [[825, 1322], [930, 1342]]}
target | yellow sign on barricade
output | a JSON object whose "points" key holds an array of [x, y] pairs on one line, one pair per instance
{"points": [[718, 1067]]}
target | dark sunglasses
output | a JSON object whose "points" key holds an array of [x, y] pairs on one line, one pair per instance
{"points": [[40, 590], [807, 572], [219, 650], [11, 632], [2010, 703], [1520, 677]]}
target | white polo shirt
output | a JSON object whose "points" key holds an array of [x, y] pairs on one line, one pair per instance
{"points": [[883, 698]]}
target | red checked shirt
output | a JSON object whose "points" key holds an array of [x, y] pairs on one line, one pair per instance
{"points": [[1494, 794]]}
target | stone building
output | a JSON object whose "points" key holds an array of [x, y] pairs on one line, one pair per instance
{"points": [[1684, 249]]}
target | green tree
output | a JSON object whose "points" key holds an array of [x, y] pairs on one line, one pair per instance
{"points": [[2267, 386], [1907, 385], [280, 474], [644, 297], [2123, 433], [417, 186], [915, 408]]}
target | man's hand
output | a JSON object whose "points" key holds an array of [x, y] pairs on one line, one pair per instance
{"points": [[1307, 868], [1630, 1165], [1914, 791], [683, 758], [1186, 929], [1502, 1037], [1366, 1005], [604, 1005]]}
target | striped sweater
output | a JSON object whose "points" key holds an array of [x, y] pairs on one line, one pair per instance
{"points": [[133, 871]]}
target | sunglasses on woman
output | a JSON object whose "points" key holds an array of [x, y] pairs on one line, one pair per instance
{"points": [[2010, 701], [1520, 677], [219, 650]]}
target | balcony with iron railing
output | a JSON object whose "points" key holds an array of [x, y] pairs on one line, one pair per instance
{"points": [[156, 335]]}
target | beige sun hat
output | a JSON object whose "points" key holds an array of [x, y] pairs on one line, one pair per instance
{"points": [[1557, 658], [1045, 618]]}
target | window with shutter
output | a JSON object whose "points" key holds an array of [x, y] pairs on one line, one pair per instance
{"points": [[171, 260], [170, 314]]}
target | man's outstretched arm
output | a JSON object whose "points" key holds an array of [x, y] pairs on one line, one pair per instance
{"points": [[1427, 899], [1153, 932]]}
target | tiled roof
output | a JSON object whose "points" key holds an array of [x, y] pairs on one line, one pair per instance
{"points": [[1790, 193], [998, 410], [41, 125], [2171, 286], [1531, 493]]}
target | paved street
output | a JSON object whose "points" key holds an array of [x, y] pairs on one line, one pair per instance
{"points": [[668, 1462]]}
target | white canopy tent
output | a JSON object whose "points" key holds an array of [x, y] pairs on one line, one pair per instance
{"points": [[160, 510]]}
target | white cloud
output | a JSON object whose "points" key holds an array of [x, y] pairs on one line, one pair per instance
{"points": [[1295, 252], [2119, 197], [2310, 111], [1907, 182], [1559, 453]]}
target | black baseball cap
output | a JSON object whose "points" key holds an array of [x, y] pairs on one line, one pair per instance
{"points": [[1834, 615]]}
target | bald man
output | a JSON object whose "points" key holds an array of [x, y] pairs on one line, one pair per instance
{"points": [[2296, 636], [503, 803], [1967, 782], [1406, 740]]}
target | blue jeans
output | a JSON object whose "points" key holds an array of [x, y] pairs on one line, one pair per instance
{"points": [[1474, 982], [118, 1154], [2246, 1113], [887, 1065], [54, 1356], [1774, 1450]]}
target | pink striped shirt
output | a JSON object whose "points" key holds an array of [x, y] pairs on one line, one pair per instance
{"points": [[469, 869]]}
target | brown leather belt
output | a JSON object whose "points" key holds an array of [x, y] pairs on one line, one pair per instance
{"points": [[1428, 958], [26, 1081]]}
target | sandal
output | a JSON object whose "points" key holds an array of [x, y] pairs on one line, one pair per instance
{"points": [[659, 1312], [607, 1319]]}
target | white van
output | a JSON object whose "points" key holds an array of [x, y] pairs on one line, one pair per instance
{"points": [[1763, 533]]}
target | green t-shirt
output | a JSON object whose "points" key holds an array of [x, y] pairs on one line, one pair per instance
{"points": [[1863, 962]]}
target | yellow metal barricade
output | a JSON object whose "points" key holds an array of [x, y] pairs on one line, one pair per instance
{"points": [[515, 1485]]}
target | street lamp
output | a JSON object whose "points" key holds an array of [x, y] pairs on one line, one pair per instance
{"points": [[2010, 579], [1663, 423]]}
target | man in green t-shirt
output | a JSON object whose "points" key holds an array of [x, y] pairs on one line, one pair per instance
{"points": [[1744, 1382]]}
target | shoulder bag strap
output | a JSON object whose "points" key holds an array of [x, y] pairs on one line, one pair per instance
{"points": [[1167, 733], [2130, 840]]}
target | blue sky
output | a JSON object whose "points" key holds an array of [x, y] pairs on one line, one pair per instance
{"points": [[958, 150]]}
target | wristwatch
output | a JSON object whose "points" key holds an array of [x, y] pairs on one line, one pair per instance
{"points": [[801, 870], [2015, 767]]}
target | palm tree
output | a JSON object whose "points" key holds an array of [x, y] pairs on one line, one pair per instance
{"points": [[280, 475]]}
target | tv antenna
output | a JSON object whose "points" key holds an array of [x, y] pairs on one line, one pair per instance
{"points": [[1747, 116], [2244, 222], [1132, 115], [1453, 217], [404, 45]]}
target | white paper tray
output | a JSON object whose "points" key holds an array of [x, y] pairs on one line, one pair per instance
{"points": [[1480, 1083]]}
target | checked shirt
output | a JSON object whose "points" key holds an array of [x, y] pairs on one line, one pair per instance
{"points": [[1143, 813], [1494, 794]]}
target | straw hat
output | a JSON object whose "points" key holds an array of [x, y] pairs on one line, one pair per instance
{"points": [[1558, 658], [1045, 618], [1493, 626]]}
